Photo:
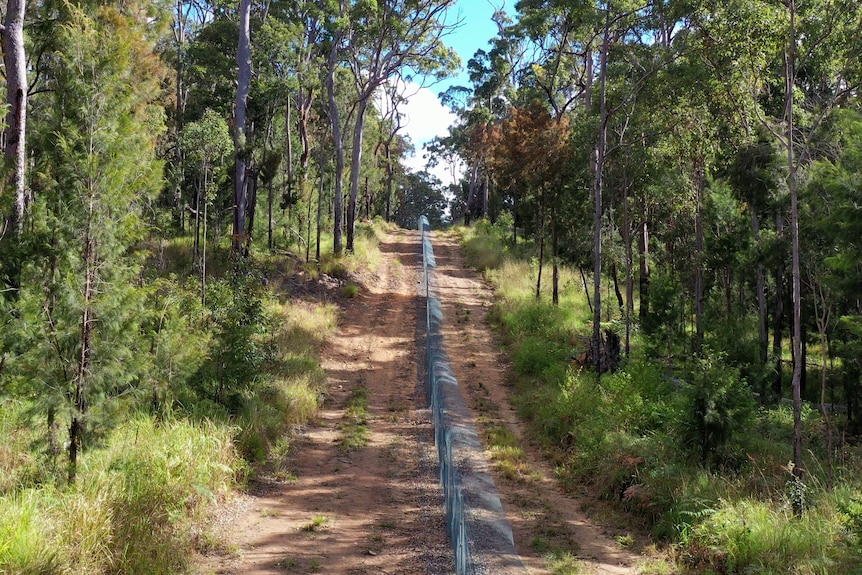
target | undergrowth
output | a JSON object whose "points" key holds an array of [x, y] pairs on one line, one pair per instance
{"points": [[679, 447]]}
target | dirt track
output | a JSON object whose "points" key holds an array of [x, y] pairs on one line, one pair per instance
{"points": [[378, 509]]}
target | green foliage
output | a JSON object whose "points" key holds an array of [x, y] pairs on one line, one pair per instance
{"points": [[177, 339], [234, 364], [420, 194], [720, 412], [665, 321], [537, 357], [485, 244]]}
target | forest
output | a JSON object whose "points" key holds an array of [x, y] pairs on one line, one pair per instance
{"points": [[665, 194]]}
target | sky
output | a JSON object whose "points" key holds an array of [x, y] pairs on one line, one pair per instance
{"points": [[425, 116]]}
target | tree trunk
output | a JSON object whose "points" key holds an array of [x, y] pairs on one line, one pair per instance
{"points": [[91, 270], [204, 246], [619, 295], [390, 176], [320, 190], [252, 202], [630, 284], [303, 109], [15, 63], [763, 335], [197, 243], [485, 189], [243, 61], [644, 270], [586, 288], [179, 168], [821, 314], [335, 122], [790, 83], [778, 319], [541, 261], [596, 343], [555, 298], [269, 227], [471, 194], [355, 165], [698, 174], [541, 245]]}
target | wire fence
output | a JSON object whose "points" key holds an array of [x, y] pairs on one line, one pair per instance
{"points": [[478, 529]]}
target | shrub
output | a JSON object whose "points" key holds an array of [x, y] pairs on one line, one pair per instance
{"points": [[720, 412], [536, 356]]}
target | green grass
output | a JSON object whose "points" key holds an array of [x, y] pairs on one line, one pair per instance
{"points": [[350, 290], [354, 425], [505, 453], [316, 524], [132, 508], [564, 563]]}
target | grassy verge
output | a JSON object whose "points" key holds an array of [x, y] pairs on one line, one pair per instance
{"points": [[680, 449]]}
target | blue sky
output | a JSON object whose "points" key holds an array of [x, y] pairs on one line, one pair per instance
{"points": [[473, 34], [426, 117]]}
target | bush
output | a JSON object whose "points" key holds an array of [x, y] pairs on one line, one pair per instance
{"points": [[719, 414], [537, 356]]}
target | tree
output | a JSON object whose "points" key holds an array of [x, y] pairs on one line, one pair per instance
{"points": [[205, 144], [420, 194], [336, 29], [386, 37], [98, 174]]}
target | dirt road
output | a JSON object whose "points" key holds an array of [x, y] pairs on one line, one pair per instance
{"points": [[378, 508]]}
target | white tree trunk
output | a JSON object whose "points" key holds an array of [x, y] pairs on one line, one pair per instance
{"points": [[243, 61], [15, 62]]}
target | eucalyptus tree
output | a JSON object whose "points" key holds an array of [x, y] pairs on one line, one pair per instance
{"points": [[240, 184], [384, 38], [820, 61], [629, 53], [187, 18], [394, 96], [289, 58], [336, 27]]}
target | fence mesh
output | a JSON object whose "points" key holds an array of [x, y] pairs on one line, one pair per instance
{"points": [[478, 529]]}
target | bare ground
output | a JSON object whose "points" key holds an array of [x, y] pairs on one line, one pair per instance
{"points": [[378, 508]]}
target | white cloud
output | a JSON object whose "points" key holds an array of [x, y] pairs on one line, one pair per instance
{"points": [[424, 119], [424, 116]]}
